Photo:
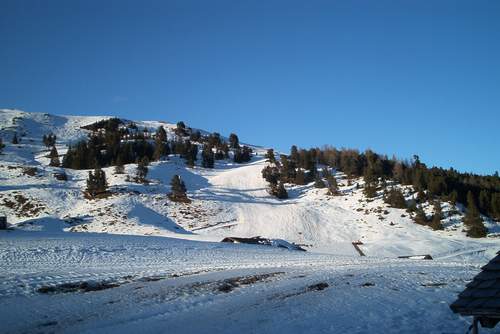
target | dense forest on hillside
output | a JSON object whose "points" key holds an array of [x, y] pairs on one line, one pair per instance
{"points": [[114, 143], [301, 166]]}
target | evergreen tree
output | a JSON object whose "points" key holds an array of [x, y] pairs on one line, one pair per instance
{"points": [[333, 188], [14, 139], [2, 145], [395, 198], [215, 140], [420, 216], [287, 169], [160, 149], [181, 129], [454, 197], [270, 156], [234, 142], [191, 153], [300, 177], [279, 191], [437, 217], [195, 136], [161, 134], [472, 219], [325, 172], [119, 167], [421, 197], [294, 154], [49, 140], [96, 183], [208, 157], [398, 172], [178, 190], [319, 183], [271, 174], [242, 155], [371, 181], [142, 170], [495, 205], [54, 157], [484, 201]]}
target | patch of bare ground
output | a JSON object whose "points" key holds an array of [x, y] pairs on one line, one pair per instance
{"points": [[22, 205]]}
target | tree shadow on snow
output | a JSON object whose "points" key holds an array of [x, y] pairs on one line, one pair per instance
{"points": [[147, 216], [165, 171]]}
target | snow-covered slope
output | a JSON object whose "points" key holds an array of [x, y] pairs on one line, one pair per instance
{"points": [[148, 264], [100, 283], [229, 200]]}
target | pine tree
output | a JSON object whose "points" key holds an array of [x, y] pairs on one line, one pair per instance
{"points": [[300, 177], [271, 174], [395, 198], [333, 188], [287, 169], [420, 217], [325, 172], [181, 129], [495, 205], [195, 136], [178, 190], [319, 183], [49, 140], [191, 153], [2, 145], [484, 201], [96, 183], [54, 157], [472, 219], [242, 155], [279, 191], [270, 156], [453, 197], [437, 217], [119, 167], [234, 142], [207, 157], [371, 181], [14, 139], [142, 170], [160, 149], [161, 134], [294, 154]]}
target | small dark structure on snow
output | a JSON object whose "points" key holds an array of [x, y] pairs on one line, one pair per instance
{"points": [[3, 222], [416, 257], [264, 241], [481, 297]]}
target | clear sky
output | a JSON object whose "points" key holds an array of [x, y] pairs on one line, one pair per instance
{"points": [[399, 77]]}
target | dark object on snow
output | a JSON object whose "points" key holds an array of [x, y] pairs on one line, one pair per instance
{"points": [[416, 257], [3, 223], [481, 297], [356, 246], [264, 241], [61, 176], [318, 286]]}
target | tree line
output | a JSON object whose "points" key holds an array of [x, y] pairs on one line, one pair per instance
{"points": [[112, 144]]}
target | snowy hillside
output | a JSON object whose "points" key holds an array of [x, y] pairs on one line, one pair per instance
{"points": [[229, 200], [59, 237]]}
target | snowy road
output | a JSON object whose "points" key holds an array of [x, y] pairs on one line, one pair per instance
{"points": [[180, 286]]}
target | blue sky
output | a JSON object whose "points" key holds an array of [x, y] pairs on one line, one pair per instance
{"points": [[399, 77]]}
